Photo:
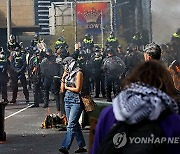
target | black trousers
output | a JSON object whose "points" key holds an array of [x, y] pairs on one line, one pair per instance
{"points": [[111, 84], [3, 85], [38, 92], [15, 77]]}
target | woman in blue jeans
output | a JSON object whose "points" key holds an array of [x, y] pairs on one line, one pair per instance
{"points": [[71, 84]]}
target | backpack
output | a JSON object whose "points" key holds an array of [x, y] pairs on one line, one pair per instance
{"points": [[52, 120], [118, 142]]}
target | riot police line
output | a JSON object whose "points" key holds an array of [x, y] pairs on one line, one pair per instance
{"points": [[103, 69]]}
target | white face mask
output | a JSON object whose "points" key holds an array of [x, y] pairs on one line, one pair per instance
{"points": [[2, 56]]}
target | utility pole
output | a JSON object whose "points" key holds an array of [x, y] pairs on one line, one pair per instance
{"points": [[75, 21], [9, 28], [102, 31], [111, 15]]}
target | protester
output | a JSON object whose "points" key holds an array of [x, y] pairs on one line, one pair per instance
{"points": [[71, 82], [147, 93]]}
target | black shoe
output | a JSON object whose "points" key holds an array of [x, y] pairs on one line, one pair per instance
{"points": [[27, 101], [80, 150], [35, 105], [109, 100], [63, 150], [104, 96], [96, 96], [12, 101], [6, 101], [45, 106]]}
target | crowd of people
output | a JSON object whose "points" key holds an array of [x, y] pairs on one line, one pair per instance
{"points": [[89, 69]]}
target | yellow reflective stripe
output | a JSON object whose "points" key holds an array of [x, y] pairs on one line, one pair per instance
{"points": [[176, 35], [60, 42], [87, 41], [111, 39], [3, 60]]}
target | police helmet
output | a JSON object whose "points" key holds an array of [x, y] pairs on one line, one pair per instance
{"points": [[111, 33], [12, 37], [110, 50], [49, 52], [1, 50], [97, 48], [87, 35], [60, 38], [82, 53], [17, 49], [37, 52], [119, 47], [131, 47], [36, 36]]}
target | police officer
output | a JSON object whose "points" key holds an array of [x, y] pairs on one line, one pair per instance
{"points": [[113, 68], [4, 66], [138, 39], [97, 59], [133, 57], [18, 68], [47, 68], [12, 44], [120, 53], [35, 41], [112, 41], [58, 72], [85, 64], [166, 56], [176, 35], [61, 43], [87, 42], [35, 77]]}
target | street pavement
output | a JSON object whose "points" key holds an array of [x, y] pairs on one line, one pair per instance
{"points": [[24, 133]]}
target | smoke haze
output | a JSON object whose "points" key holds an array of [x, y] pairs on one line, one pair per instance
{"points": [[165, 19]]}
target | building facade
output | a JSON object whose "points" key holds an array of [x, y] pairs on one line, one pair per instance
{"points": [[22, 12]]}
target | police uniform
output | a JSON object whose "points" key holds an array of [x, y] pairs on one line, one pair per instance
{"points": [[112, 42], [4, 64], [12, 45], [61, 44], [138, 39], [18, 67], [34, 42], [85, 65], [35, 77], [47, 70], [88, 43], [97, 59], [113, 68]]}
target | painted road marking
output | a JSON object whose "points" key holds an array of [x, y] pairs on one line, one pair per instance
{"points": [[19, 111]]}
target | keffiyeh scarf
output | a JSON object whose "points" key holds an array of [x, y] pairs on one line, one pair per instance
{"points": [[72, 67], [139, 101]]}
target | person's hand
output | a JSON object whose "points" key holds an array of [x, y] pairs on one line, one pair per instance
{"points": [[66, 87], [65, 74]]}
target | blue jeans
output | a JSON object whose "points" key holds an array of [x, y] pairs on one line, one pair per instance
{"points": [[73, 111]]}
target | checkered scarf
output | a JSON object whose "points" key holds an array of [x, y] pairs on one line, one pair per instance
{"points": [[139, 101]]}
